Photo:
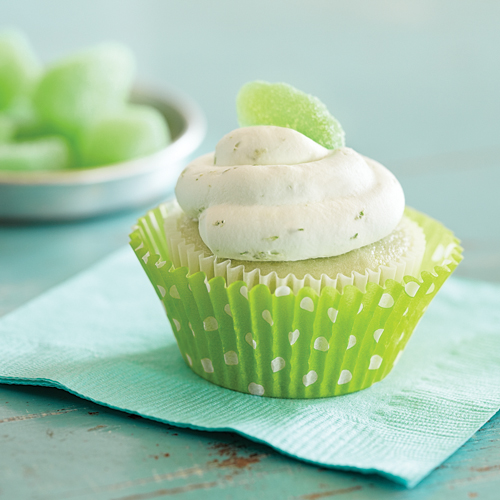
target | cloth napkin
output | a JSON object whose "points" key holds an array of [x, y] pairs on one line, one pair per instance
{"points": [[103, 335]]}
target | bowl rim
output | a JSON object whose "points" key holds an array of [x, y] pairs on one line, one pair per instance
{"points": [[183, 145]]}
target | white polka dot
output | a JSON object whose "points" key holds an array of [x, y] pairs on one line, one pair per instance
{"points": [[282, 291], [307, 304], [449, 249], [244, 291], [375, 362], [386, 301], [255, 389], [174, 293], [360, 308], [352, 342], [321, 344], [293, 336], [267, 317], [207, 284], [309, 378], [400, 338], [446, 262], [227, 310], [210, 324], [160, 263], [406, 312], [177, 324], [191, 328], [411, 288], [189, 286], [207, 365], [398, 357], [431, 289], [377, 334], [438, 253], [231, 358], [140, 246], [277, 364], [250, 340], [345, 377], [162, 290], [145, 257], [190, 361], [332, 314]]}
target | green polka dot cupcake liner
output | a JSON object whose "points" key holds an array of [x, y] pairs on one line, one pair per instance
{"points": [[288, 343]]}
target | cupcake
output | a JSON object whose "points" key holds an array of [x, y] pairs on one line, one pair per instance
{"points": [[289, 265]]}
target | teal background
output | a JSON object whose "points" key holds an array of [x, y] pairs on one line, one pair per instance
{"points": [[415, 85]]}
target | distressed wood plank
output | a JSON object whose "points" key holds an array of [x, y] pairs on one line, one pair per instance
{"points": [[92, 452]]}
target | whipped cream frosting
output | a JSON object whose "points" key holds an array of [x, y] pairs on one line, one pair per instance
{"points": [[271, 193]]}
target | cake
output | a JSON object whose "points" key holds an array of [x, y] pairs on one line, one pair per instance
{"points": [[289, 265]]}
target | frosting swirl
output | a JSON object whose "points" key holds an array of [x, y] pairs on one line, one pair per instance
{"points": [[271, 193]]}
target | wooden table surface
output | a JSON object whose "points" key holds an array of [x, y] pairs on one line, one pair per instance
{"points": [[415, 85]]}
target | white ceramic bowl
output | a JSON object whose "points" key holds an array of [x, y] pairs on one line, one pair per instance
{"points": [[83, 192]]}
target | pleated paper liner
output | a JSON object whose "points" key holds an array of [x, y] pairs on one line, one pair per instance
{"points": [[184, 254], [292, 345]]}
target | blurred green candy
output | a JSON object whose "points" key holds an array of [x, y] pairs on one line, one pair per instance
{"points": [[82, 87], [134, 132], [19, 68], [7, 129], [28, 125], [280, 104], [47, 153]]}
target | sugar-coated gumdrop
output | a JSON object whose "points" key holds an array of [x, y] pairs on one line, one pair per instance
{"points": [[19, 68], [280, 104], [7, 129], [27, 122], [80, 88], [47, 153], [134, 132]]}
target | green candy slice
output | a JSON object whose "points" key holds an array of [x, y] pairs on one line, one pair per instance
{"points": [[19, 68], [280, 104], [82, 87], [48, 153], [134, 132]]}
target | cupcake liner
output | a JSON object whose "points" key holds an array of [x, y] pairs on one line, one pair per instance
{"points": [[277, 341], [184, 254]]}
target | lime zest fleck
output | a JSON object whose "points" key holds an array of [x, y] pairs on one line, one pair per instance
{"points": [[360, 215], [354, 237], [258, 153], [219, 223]]}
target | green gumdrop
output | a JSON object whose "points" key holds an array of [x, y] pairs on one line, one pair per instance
{"points": [[7, 129], [134, 132], [47, 153], [280, 104], [81, 88], [28, 124], [19, 68]]}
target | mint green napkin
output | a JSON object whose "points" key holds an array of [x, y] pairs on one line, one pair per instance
{"points": [[104, 336]]}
